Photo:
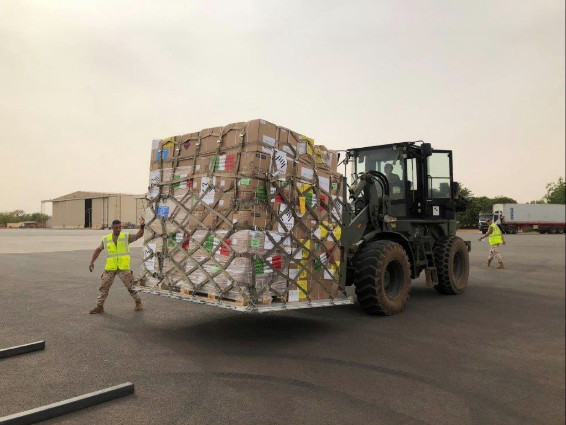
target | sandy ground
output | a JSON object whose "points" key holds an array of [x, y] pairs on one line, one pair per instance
{"points": [[492, 355]]}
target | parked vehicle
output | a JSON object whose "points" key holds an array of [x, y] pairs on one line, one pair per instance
{"points": [[546, 218]]}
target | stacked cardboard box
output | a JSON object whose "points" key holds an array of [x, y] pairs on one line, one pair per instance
{"points": [[249, 212]]}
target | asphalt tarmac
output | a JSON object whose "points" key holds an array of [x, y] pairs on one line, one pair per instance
{"points": [[494, 355]]}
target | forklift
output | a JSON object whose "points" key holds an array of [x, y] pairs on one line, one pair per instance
{"points": [[400, 220]]}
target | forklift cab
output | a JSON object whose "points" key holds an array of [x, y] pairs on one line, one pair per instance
{"points": [[420, 179]]}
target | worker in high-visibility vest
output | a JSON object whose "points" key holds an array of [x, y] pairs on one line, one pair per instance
{"points": [[495, 239], [117, 247]]}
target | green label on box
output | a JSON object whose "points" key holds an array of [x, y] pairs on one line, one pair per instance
{"points": [[214, 164], [317, 265], [209, 243], [261, 193], [309, 199], [258, 267], [254, 242], [245, 181], [176, 177], [334, 186]]}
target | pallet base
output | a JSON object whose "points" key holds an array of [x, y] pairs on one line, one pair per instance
{"points": [[250, 308], [240, 302]]}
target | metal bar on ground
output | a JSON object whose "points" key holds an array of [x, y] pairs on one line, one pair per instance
{"points": [[21, 349], [67, 406]]}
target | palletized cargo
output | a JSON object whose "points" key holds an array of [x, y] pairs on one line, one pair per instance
{"points": [[254, 217], [246, 216]]}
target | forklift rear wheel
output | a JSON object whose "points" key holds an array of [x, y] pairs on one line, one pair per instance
{"points": [[452, 264], [382, 278]]}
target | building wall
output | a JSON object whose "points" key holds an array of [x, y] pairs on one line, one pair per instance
{"points": [[128, 209], [75, 214], [58, 215], [113, 209], [99, 213], [69, 214]]}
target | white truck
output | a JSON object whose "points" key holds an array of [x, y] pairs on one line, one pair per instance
{"points": [[546, 218]]}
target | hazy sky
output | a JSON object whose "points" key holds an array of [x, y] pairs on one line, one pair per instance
{"points": [[86, 85]]}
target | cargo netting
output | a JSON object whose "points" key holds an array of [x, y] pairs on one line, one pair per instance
{"points": [[244, 215]]}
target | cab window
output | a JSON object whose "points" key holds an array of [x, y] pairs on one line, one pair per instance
{"points": [[387, 162], [439, 175]]}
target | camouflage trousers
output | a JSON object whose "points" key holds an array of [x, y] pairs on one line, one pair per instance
{"points": [[494, 253], [107, 279]]}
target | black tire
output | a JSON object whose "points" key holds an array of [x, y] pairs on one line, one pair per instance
{"points": [[552, 230], [382, 278], [452, 264]]}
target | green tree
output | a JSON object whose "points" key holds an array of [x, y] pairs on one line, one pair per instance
{"points": [[478, 205], [36, 216], [18, 216], [555, 192]]}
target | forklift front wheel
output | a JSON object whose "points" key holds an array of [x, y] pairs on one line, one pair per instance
{"points": [[382, 277]]}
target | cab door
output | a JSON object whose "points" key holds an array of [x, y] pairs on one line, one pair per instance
{"points": [[439, 202]]}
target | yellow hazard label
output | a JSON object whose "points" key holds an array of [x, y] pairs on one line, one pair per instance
{"points": [[302, 204], [337, 232], [304, 285]]}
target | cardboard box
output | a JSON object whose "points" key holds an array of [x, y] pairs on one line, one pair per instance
{"points": [[187, 144], [254, 216], [255, 164], [333, 160], [162, 151], [287, 142], [261, 131], [251, 189], [248, 172]]}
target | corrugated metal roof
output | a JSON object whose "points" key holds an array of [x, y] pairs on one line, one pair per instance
{"points": [[85, 195]]}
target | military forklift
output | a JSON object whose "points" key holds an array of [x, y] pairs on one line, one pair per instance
{"points": [[400, 221]]}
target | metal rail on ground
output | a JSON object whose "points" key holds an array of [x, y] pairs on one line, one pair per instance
{"points": [[21, 349], [50, 411]]}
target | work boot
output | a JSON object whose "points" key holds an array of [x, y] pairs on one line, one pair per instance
{"points": [[487, 263], [138, 306], [98, 309], [500, 266]]}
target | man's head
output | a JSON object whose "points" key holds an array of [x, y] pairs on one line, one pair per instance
{"points": [[488, 221], [388, 168], [116, 227]]}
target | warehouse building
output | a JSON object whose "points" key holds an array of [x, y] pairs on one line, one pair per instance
{"points": [[95, 210]]}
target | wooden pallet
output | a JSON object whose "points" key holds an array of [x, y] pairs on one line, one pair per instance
{"points": [[240, 302]]}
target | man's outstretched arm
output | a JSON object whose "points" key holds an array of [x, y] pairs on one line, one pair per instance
{"points": [[138, 235], [95, 255]]}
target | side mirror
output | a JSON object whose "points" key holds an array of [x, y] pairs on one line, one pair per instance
{"points": [[426, 149]]}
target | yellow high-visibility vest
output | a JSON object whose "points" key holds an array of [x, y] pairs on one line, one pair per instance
{"points": [[118, 254], [495, 236]]}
